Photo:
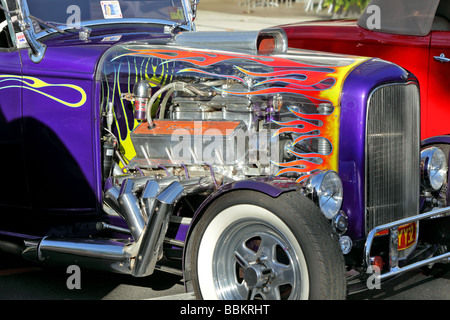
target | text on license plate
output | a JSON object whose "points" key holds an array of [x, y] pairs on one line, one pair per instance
{"points": [[407, 236]]}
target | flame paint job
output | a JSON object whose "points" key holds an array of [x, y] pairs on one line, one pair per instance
{"points": [[283, 67], [317, 81], [309, 162], [127, 71], [37, 85]]}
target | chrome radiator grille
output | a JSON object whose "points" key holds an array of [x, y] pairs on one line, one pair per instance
{"points": [[392, 154]]}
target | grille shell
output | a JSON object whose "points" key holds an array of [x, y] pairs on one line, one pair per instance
{"points": [[392, 157]]}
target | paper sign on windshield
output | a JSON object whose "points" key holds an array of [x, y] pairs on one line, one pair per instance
{"points": [[176, 13], [111, 10]]}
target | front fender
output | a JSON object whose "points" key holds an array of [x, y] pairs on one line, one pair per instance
{"points": [[444, 139], [273, 187]]}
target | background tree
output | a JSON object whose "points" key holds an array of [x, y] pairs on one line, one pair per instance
{"points": [[344, 7]]}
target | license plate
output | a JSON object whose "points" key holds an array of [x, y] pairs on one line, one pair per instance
{"points": [[407, 236]]}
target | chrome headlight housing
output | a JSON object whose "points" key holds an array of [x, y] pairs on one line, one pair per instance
{"points": [[433, 166], [325, 188]]}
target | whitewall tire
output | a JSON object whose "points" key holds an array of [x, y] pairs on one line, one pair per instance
{"points": [[252, 246]]}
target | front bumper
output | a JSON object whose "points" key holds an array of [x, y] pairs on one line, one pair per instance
{"points": [[392, 227]]}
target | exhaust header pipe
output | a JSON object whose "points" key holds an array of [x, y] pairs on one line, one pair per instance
{"points": [[147, 218], [130, 209]]}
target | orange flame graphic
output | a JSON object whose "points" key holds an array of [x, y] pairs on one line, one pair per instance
{"points": [[321, 83]]}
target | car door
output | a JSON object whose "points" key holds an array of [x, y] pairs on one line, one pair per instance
{"points": [[14, 191], [58, 133], [438, 111]]}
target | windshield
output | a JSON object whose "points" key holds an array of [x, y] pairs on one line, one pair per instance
{"points": [[81, 11], [409, 17]]}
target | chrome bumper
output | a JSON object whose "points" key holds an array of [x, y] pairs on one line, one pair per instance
{"points": [[393, 245]]}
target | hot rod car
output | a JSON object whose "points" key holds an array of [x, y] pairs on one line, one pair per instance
{"points": [[130, 140]]}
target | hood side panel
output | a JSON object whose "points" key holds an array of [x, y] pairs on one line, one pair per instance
{"points": [[303, 79]]}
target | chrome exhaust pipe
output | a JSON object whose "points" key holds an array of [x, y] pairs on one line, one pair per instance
{"points": [[111, 198], [148, 219], [99, 254], [130, 209], [153, 238]]}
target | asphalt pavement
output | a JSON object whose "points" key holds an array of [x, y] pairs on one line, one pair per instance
{"points": [[23, 280]]}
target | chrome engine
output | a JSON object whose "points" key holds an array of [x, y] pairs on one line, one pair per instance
{"points": [[199, 124]]}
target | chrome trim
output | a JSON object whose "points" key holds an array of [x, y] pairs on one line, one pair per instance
{"points": [[441, 58], [37, 49], [148, 198], [153, 238], [392, 227], [90, 23], [242, 41], [130, 209], [111, 198], [314, 183], [101, 254], [189, 14], [366, 164], [189, 25], [426, 156], [94, 248]]}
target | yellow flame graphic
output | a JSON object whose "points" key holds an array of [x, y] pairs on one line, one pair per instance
{"points": [[34, 84]]}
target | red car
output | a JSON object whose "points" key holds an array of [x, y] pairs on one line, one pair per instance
{"points": [[414, 34]]}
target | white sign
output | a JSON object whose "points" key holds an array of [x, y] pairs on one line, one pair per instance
{"points": [[111, 10], [21, 41]]}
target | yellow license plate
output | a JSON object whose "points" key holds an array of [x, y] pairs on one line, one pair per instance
{"points": [[407, 235]]}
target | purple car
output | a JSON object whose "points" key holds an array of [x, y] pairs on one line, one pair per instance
{"points": [[258, 172]]}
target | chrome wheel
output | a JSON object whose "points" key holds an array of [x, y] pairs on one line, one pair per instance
{"points": [[260, 263], [253, 255]]}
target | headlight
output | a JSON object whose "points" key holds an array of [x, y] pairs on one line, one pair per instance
{"points": [[327, 192], [433, 166]]}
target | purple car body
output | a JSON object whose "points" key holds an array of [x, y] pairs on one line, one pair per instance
{"points": [[93, 174]]}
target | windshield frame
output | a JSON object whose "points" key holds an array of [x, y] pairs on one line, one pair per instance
{"points": [[188, 24]]}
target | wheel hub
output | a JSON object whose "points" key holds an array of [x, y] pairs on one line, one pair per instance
{"points": [[256, 275]]}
